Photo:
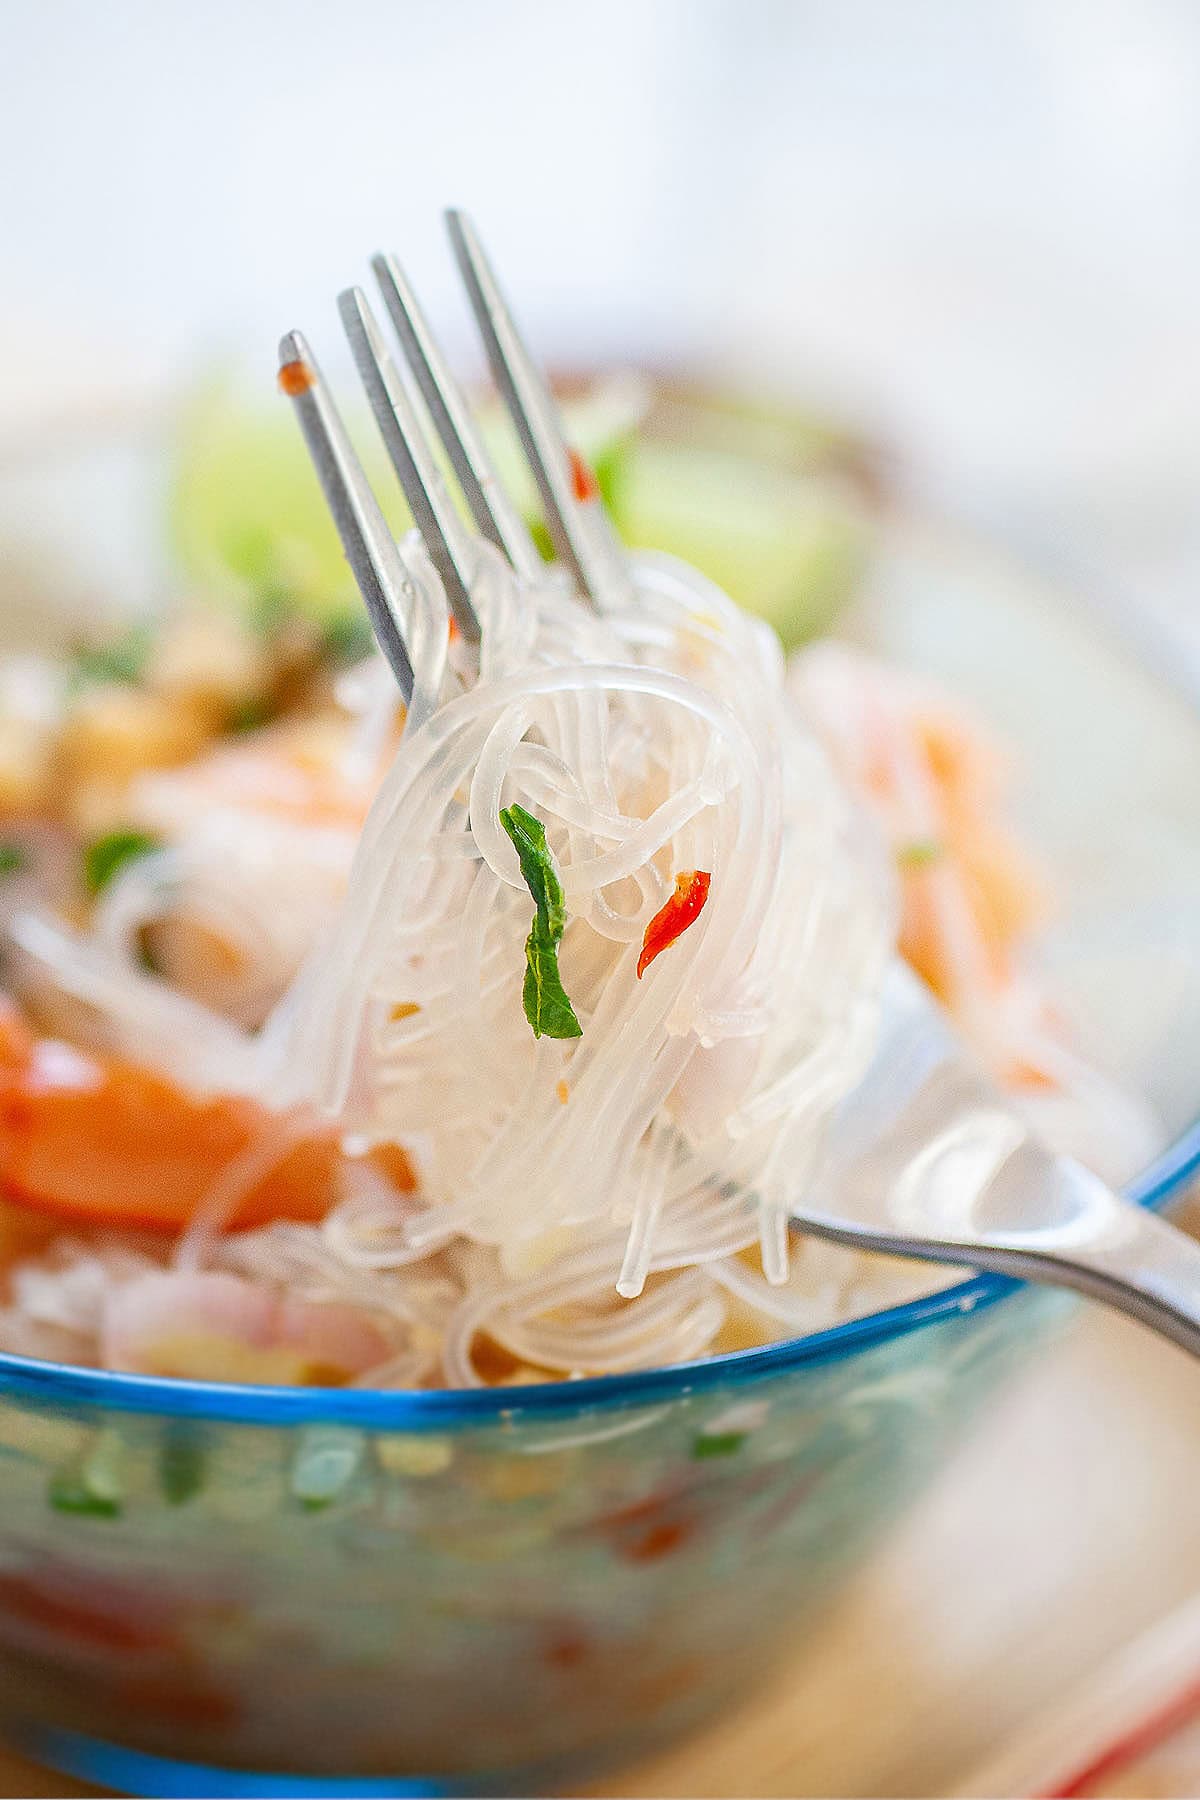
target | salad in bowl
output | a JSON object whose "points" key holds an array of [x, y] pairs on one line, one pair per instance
{"points": [[402, 1099]]}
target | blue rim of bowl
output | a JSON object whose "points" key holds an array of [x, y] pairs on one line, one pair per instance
{"points": [[79, 1391]]}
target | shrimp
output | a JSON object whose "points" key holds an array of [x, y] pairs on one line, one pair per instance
{"points": [[214, 1326], [260, 837], [298, 771], [935, 783], [100, 1140]]}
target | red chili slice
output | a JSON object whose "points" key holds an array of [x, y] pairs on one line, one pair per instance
{"points": [[671, 921], [583, 482]]}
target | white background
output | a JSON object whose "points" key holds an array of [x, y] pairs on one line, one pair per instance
{"points": [[973, 226]]}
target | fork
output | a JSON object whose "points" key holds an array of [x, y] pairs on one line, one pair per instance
{"points": [[926, 1158]]}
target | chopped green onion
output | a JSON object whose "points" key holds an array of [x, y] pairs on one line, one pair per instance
{"points": [[69, 1493], [92, 1486], [718, 1443], [123, 658], [252, 715], [12, 859], [920, 853], [181, 1462], [546, 1004], [327, 1460], [107, 855], [348, 638]]}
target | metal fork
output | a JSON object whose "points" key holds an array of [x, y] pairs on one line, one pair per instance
{"points": [[579, 527], [926, 1158]]}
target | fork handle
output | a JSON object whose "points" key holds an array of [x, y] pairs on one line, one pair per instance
{"points": [[1147, 1269], [1128, 1259]]}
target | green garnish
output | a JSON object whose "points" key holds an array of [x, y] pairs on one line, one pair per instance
{"points": [[70, 1493], [12, 859], [348, 638], [106, 855], [920, 853], [181, 1462], [123, 658], [718, 1443], [91, 1485], [252, 715], [327, 1460], [544, 997]]}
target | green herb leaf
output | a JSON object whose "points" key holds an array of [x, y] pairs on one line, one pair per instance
{"points": [[920, 853], [542, 993], [106, 855], [546, 1004], [12, 859]]}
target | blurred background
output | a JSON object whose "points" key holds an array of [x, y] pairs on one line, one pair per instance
{"points": [[968, 231]]}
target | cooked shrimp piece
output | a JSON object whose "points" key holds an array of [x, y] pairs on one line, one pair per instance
{"points": [[935, 782], [213, 1326], [229, 913], [260, 835]]}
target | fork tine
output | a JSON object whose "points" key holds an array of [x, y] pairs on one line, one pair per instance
{"points": [[491, 508], [583, 537], [445, 535], [369, 545]]}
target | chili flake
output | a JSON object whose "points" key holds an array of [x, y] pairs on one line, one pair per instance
{"points": [[671, 921], [583, 483], [296, 378]]}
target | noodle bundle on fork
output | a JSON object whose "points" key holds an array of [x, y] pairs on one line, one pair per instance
{"points": [[632, 711]]}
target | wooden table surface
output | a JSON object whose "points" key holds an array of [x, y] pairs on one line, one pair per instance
{"points": [[1065, 1525]]}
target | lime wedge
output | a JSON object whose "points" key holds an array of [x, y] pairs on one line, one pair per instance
{"points": [[247, 520], [787, 546]]}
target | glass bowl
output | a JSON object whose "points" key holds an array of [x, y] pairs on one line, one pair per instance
{"points": [[209, 1589]]}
